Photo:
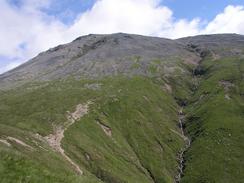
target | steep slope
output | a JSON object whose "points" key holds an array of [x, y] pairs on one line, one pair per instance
{"points": [[215, 124], [140, 144], [100, 55], [123, 108], [214, 112], [217, 45]]}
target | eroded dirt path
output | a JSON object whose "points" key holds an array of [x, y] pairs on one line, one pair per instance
{"points": [[17, 141], [5, 142], [54, 139], [181, 157], [10, 140], [107, 130]]}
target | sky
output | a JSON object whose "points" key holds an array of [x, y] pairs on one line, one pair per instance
{"points": [[28, 27]]}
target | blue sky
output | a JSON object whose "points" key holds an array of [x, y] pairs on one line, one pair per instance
{"points": [[206, 9], [28, 27], [67, 10]]}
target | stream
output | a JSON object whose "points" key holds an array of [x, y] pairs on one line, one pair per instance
{"points": [[181, 157]]}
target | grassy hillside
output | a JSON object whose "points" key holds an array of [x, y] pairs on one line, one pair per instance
{"points": [[81, 113], [131, 132], [215, 124], [141, 117]]}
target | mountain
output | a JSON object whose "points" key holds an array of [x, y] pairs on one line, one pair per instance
{"points": [[94, 56], [126, 108]]}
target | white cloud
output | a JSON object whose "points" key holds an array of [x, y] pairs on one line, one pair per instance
{"points": [[28, 26], [27, 30], [131, 16], [229, 21]]}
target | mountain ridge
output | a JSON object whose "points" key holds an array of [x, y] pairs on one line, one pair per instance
{"points": [[81, 49]]}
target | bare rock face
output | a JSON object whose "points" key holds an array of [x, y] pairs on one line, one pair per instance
{"points": [[94, 56], [218, 45]]}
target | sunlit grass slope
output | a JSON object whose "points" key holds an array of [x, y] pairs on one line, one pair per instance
{"points": [[216, 124], [141, 116]]}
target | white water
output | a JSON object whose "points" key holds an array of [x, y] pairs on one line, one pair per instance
{"points": [[184, 149]]}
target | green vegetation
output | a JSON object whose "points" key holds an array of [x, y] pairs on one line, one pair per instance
{"points": [[142, 120], [215, 124], [136, 62], [141, 116]]}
